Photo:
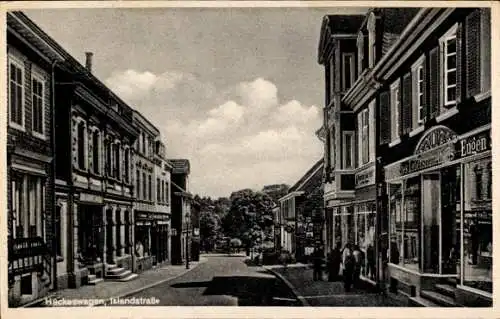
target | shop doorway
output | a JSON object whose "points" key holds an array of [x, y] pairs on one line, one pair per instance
{"points": [[431, 221], [450, 219]]}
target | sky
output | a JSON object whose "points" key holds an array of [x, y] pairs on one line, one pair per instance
{"points": [[237, 91]]}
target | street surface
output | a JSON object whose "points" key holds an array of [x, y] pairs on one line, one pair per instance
{"points": [[222, 281]]}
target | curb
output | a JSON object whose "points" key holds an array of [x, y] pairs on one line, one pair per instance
{"points": [[128, 293], [301, 299]]}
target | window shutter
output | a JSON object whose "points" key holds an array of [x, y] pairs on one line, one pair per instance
{"points": [[385, 117], [434, 82], [459, 62], [472, 51], [406, 105], [360, 138], [486, 49]]}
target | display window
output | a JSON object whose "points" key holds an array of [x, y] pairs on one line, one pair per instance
{"points": [[365, 236], [477, 226]]}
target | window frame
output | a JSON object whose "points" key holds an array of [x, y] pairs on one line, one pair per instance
{"points": [[395, 108], [443, 45], [416, 94], [96, 149], [352, 69], [84, 144], [365, 128], [36, 76], [12, 60], [345, 135]]}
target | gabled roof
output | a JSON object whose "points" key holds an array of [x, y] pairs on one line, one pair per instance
{"points": [[179, 166], [317, 167], [335, 25]]}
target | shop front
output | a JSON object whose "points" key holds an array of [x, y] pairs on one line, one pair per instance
{"points": [[440, 215], [143, 229]]}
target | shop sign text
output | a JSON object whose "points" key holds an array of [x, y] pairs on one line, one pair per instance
{"points": [[473, 145], [365, 177]]}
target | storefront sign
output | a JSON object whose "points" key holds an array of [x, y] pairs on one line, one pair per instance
{"points": [[434, 138], [473, 145], [365, 177], [84, 197], [442, 154], [141, 215]]}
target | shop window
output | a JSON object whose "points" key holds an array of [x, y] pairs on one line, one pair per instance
{"points": [[395, 224], [477, 229], [411, 226], [418, 78], [365, 236], [28, 204], [142, 246]]}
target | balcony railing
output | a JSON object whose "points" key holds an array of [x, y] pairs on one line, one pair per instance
{"points": [[28, 255]]}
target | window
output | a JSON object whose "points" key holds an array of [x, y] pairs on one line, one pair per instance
{"points": [[150, 188], [365, 143], [144, 141], [37, 94], [138, 184], [16, 94], [117, 161], [144, 189], [395, 108], [347, 70], [167, 199], [418, 77], [163, 198], [81, 145], [348, 152], [109, 168], [28, 205], [95, 151], [127, 165], [158, 190], [449, 49]]}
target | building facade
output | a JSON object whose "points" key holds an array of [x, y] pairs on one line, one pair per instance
{"points": [[161, 235], [303, 214], [181, 211], [429, 97], [30, 161]]}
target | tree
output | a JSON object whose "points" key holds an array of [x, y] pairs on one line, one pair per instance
{"points": [[209, 228], [248, 216]]}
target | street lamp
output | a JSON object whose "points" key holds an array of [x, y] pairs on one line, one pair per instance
{"points": [[187, 239]]}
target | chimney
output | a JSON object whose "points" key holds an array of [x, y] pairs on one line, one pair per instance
{"points": [[88, 61]]}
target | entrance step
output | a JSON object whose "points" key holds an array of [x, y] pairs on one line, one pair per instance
{"points": [[446, 290], [422, 302], [93, 280], [130, 276], [451, 281], [114, 271], [438, 298]]}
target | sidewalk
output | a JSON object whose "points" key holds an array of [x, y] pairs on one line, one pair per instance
{"points": [[323, 293], [113, 289]]}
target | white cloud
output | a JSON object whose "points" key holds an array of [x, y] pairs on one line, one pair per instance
{"points": [[246, 139]]}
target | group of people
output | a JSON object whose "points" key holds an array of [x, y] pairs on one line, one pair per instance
{"points": [[349, 259]]}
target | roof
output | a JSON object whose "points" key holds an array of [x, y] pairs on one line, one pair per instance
{"points": [[337, 24], [179, 166], [297, 187], [181, 191]]}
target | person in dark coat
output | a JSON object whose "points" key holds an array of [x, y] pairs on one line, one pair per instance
{"points": [[317, 264], [348, 261], [334, 261], [370, 260], [359, 260]]}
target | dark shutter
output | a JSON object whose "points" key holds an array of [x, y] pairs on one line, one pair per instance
{"points": [[385, 117], [434, 82], [459, 63], [473, 54], [406, 104], [425, 106]]}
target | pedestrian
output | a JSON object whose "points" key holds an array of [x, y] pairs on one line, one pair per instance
{"points": [[317, 264], [358, 263], [371, 261], [334, 260], [348, 264]]}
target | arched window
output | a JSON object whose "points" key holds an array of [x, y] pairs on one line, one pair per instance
{"points": [[81, 144], [96, 151]]}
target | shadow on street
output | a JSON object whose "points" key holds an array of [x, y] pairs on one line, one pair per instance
{"points": [[249, 290]]}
